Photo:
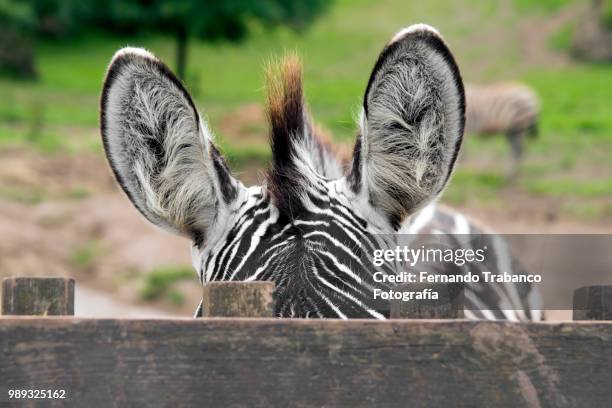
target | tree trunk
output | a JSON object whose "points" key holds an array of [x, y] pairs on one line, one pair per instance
{"points": [[181, 53]]}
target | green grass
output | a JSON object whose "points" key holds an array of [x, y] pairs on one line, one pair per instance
{"points": [[575, 101], [239, 157], [562, 40], [338, 52], [175, 297], [85, 256], [468, 184], [43, 141], [560, 188], [588, 210], [542, 6], [29, 196], [159, 283], [570, 159], [78, 193]]}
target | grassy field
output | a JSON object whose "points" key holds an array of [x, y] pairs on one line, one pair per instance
{"points": [[569, 161]]}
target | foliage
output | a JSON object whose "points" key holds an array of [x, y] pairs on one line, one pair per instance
{"points": [[208, 20], [16, 52], [17, 14], [182, 19]]}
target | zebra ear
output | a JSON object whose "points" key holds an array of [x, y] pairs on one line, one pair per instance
{"points": [[159, 148], [411, 125]]}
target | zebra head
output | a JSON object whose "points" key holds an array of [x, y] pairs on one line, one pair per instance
{"points": [[307, 225]]}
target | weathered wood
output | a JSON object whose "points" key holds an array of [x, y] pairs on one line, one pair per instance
{"points": [[238, 299], [38, 296], [277, 362], [449, 304], [593, 303]]}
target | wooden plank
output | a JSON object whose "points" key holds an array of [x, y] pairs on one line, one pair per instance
{"points": [[238, 299], [38, 296], [593, 303], [276, 362]]}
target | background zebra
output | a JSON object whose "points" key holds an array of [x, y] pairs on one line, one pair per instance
{"points": [[310, 227], [503, 108]]}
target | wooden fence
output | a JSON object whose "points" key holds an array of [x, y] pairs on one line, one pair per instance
{"points": [[263, 361]]}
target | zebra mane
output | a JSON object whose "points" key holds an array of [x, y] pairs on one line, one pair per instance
{"points": [[302, 154], [285, 105]]}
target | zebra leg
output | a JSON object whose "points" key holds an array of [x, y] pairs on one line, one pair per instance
{"points": [[516, 139]]}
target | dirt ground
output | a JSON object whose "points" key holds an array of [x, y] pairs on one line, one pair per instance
{"points": [[94, 235], [81, 225]]}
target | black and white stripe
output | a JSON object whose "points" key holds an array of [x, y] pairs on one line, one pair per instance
{"points": [[312, 227]]}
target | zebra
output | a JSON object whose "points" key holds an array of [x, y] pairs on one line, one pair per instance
{"points": [[508, 108], [307, 225]]}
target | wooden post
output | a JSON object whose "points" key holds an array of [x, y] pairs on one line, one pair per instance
{"points": [[593, 303], [38, 296], [449, 304], [238, 299]]}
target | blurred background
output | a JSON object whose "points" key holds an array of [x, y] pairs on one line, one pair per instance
{"points": [[62, 214]]}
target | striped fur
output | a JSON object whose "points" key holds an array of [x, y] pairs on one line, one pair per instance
{"points": [[313, 227], [483, 300], [511, 109]]}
